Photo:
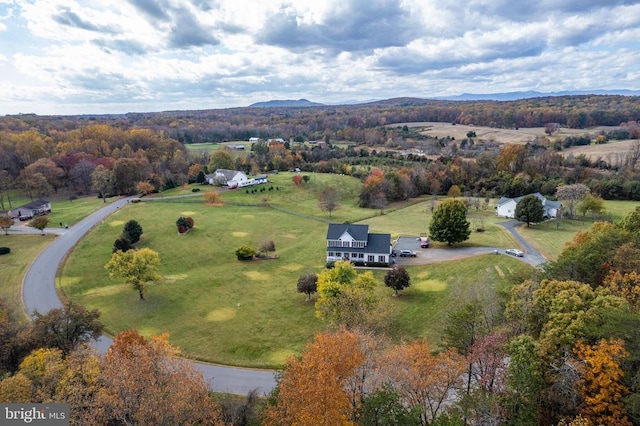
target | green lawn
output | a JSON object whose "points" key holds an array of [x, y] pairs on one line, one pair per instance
{"points": [[241, 313], [13, 266], [71, 212], [550, 237]]}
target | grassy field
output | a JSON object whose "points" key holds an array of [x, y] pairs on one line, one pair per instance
{"points": [[549, 238], [218, 309], [13, 266]]}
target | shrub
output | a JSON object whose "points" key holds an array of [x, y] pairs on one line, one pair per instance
{"points": [[184, 224], [5, 250], [195, 190], [245, 253], [122, 244]]}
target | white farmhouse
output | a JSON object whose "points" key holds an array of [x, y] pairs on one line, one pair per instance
{"points": [[225, 177], [507, 206], [355, 243]]}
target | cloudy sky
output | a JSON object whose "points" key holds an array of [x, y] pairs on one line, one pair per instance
{"points": [[117, 56]]}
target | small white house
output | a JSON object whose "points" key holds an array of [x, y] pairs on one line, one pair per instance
{"points": [[506, 207], [254, 140], [30, 210], [224, 177]]}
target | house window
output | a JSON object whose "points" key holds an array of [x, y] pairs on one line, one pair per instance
{"points": [[371, 258], [382, 259], [330, 254], [361, 255], [346, 244], [353, 255], [338, 254]]}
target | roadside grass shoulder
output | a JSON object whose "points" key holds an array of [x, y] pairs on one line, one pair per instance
{"points": [[70, 212], [13, 267]]}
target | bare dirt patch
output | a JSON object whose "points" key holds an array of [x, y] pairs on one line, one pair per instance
{"points": [[612, 152], [520, 135]]}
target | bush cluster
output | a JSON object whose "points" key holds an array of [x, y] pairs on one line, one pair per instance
{"points": [[184, 224], [5, 250]]}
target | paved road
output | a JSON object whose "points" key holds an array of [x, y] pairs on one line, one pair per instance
{"points": [[39, 294]]}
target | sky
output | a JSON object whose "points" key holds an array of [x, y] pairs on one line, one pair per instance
{"points": [[61, 57]]}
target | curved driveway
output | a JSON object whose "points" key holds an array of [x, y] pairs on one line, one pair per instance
{"points": [[39, 294]]}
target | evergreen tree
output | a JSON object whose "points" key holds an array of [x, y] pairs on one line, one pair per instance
{"points": [[132, 231]]}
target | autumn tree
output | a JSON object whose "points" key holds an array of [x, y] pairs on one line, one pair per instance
{"points": [[67, 327], [529, 210], [512, 158], [212, 197], [572, 194], [346, 297], [221, 159], [40, 223], [126, 173], [587, 257], [308, 284], [146, 382], [44, 368], [267, 246], [328, 199], [311, 390], [449, 222], [601, 382], [102, 181], [144, 188], [137, 267], [297, 180], [79, 384], [397, 278], [454, 192], [6, 223], [425, 380], [590, 204]]}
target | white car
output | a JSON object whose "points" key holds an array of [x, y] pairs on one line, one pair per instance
{"points": [[514, 252]]}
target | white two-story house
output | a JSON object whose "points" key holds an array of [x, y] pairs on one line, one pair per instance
{"points": [[355, 243]]}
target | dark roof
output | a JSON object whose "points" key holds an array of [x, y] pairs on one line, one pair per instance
{"points": [[379, 243], [358, 232], [34, 204]]}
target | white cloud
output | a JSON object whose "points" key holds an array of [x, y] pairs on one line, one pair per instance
{"points": [[86, 56]]}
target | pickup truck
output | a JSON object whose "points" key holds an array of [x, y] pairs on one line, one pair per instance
{"points": [[408, 253]]}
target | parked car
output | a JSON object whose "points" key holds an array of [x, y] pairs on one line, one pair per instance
{"points": [[408, 253], [514, 252], [424, 242]]}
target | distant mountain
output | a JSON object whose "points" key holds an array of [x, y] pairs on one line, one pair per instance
{"points": [[288, 103], [514, 96]]}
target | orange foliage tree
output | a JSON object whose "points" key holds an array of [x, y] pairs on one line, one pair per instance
{"points": [[424, 380], [145, 382], [312, 388], [601, 385]]}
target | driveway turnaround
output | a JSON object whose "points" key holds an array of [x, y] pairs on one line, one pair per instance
{"points": [[39, 294]]}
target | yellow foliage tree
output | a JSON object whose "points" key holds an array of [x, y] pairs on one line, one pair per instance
{"points": [[137, 267], [601, 382]]}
